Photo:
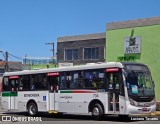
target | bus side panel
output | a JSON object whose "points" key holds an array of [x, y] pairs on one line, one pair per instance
{"points": [[79, 102], [5, 103], [76, 103], [9, 100], [40, 97], [122, 104]]}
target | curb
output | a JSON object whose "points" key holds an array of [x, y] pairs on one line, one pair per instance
{"points": [[156, 113]]}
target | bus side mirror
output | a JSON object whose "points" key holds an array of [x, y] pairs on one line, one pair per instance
{"points": [[153, 84]]}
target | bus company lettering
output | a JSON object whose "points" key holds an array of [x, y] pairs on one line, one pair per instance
{"points": [[66, 97], [31, 95]]}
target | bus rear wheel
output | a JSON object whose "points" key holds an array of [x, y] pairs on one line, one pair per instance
{"points": [[32, 109], [97, 112], [123, 116]]}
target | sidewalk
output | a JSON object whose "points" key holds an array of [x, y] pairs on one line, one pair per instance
{"points": [[156, 113]]}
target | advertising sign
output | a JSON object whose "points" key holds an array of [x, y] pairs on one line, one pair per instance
{"points": [[126, 58], [132, 45]]}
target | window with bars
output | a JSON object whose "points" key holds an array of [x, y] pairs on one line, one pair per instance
{"points": [[71, 54], [91, 53]]}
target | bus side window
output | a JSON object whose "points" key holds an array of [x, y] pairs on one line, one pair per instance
{"points": [[5, 85], [24, 83], [68, 80], [37, 82], [14, 84], [79, 83], [94, 79], [76, 79], [62, 81], [110, 80]]}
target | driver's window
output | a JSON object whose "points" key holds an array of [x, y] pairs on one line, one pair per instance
{"points": [[6, 86]]}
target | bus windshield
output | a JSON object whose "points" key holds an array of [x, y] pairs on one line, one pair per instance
{"points": [[139, 81]]}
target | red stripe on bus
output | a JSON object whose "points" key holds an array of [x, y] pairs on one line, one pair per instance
{"points": [[13, 77], [53, 74], [112, 70]]}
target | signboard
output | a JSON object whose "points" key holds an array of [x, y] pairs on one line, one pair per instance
{"points": [[112, 70], [132, 45], [53, 74], [65, 64], [13, 77], [126, 58]]}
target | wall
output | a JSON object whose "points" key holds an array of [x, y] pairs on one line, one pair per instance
{"points": [[61, 46], [150, 48]]}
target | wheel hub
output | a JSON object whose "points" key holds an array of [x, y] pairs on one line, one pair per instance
{"points": [[96, 111], [32, 109]]}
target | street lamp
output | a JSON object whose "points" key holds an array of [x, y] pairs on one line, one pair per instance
{"points": [[2, 53]]}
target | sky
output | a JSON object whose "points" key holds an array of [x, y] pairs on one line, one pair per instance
{"points": [[26, 25]]}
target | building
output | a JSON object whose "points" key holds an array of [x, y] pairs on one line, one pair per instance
{"points": [[136, 40], [81, 49], [38, 62], [12, 66]]}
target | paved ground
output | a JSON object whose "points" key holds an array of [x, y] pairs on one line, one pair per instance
{"points": [[70, 118]]}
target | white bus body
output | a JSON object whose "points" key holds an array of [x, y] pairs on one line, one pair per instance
{"points": [[79, 95]]}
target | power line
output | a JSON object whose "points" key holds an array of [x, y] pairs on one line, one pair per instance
{"points": [[6, 56], [15, 56], [15, 64]]}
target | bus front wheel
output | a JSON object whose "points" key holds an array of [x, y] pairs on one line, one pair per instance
{"points": [[32, 109], [97, 112]]}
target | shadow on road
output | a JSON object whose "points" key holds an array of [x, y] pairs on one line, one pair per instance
{"points": [[72, 117]]}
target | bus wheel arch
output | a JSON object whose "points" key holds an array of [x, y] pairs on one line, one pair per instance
{"points": [[97, 109], [32, 107]]}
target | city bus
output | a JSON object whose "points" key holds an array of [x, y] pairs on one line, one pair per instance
{"points": [[120, 88]]}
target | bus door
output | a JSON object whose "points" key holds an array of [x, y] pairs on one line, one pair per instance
{"points": [[9, 92], [114, 86], [13, 95], [53, 90]]}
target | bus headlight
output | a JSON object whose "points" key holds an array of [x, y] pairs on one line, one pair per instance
{"points": [[132, 102], [153, 101]]}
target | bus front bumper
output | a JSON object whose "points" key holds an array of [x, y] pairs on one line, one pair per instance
{"points": [[140, 110]]}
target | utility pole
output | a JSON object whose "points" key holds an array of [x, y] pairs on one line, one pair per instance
{"points": [[6, 62], [52, 44]]}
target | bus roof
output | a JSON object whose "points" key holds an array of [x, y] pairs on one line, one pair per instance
{"points": [[70, 68]]}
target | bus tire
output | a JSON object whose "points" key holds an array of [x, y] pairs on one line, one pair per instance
{"points": [[123, 117], [32, 109], [97, 112]]}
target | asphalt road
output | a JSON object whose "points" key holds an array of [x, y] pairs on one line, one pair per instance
{"points": [[80, 119]]}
